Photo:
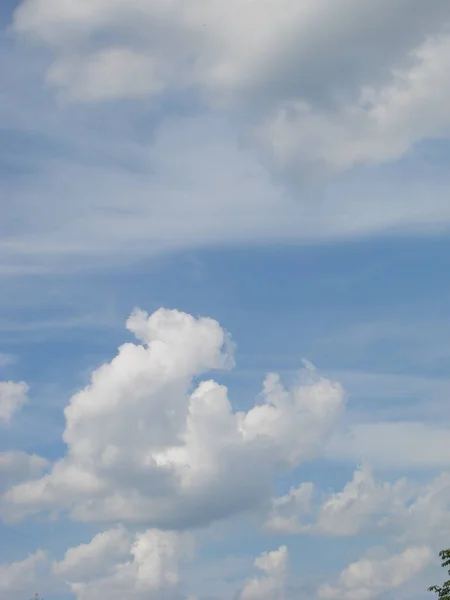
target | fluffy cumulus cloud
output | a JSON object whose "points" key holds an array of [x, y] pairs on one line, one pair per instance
{"points": [[18, 466], [272, 584], [117, 565], [289, 511], [369, 578], [12, 397], [156, 450], [17, 578], [380, 125], [403, 509], [148, 442], [146, 565], [361, 505], [426, 515]]}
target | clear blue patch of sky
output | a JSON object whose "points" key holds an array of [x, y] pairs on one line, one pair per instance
{"points": [[280, 305]]}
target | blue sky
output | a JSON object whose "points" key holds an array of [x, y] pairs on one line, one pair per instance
{"points": [[275, 172]]}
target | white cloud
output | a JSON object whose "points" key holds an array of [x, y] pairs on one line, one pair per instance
{"points": [[95, 559], [381, 127], [258, 54], [271, 586], [360, 506], [109, 74], [426, 516], [193, 185], [404, 510], [18, 466], [16, 579], [12, 397], [368, 578], [289, 511], [244, 44], [115, 565], [121, 183], [144, 447]]}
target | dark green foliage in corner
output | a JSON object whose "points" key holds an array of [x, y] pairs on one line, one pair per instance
{"points": [[444, 591]]}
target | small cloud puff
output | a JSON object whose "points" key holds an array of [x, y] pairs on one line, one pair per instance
{"points": [[12, 397]]}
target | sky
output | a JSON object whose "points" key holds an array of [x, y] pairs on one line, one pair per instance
{"points": [[225, 302]]}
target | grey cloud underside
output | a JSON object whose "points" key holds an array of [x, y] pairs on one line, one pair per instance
{"points": [[287, 49], [259, 138]]}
